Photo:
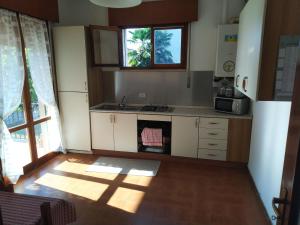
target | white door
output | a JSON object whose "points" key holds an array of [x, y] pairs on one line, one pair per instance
{"points": [[70, 57], [185, 136], [74, 109], [125, 132], [251, 27], [102, 131]]}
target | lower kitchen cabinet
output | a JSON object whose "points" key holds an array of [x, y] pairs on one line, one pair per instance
{"points": [[239, 138], [74, 111], [185, 136], [102, 131], [114, 131], [125, 132]]}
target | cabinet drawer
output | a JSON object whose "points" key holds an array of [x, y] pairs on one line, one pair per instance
{"points": [[213, 144], [212, 154], [214, 123], [155, 118], [213, 133]]}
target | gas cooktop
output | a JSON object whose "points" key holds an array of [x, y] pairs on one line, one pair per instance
{"points": [[156, 108]]}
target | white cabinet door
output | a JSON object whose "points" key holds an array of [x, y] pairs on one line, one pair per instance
{"points": [[251, 29], [70, 57], [185, 136], [125, 132], [102, 131], [74, 110]]}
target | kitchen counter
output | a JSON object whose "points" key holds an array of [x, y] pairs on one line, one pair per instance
{"points": [[178, 111]]}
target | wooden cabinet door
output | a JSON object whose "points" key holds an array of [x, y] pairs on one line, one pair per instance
{"points": [[239, 137], [74, 110], [106, 43], [251, 28], [102, 131], [70, 56], [185, 136], [125, 132]]}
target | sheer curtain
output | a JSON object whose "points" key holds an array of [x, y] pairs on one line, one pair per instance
{"points": [[38, 55], [11, 87]]}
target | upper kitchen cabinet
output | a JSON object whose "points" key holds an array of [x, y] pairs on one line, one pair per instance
{"points": [[106, 45], [262, 25], [251, 29], [71, 58]]}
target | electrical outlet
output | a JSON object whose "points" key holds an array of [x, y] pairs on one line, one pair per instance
{"points": [[142, 95]]}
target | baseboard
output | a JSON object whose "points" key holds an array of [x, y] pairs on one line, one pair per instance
{"points": [[41, 161], [253, 185], [80, 152], [162, 157]]}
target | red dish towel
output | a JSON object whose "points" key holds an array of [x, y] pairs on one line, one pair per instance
{"points": [[152, 137]]}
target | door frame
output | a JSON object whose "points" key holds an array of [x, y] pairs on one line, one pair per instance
{"points": [[291, 173]]}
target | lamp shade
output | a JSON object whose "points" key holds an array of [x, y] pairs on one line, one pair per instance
{"points": [[117, 3]]}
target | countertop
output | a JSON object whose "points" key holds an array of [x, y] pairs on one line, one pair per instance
{"points": [[178, 111]]}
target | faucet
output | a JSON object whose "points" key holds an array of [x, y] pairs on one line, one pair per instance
{"points": [[123, 102]]}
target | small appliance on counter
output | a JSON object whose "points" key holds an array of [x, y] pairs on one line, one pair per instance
{"points": [[230, 100], [238, 106]]}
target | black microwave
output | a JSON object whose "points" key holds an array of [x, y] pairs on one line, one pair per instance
{"points": [[238, 106]]}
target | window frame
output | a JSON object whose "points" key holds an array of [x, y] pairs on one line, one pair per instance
{"points": [[30, 122], [153, 66]]}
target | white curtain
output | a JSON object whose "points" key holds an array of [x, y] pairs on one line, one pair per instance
{"points": [[11, 87], [38, 55]]}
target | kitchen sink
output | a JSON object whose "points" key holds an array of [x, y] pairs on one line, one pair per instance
{"points": [[119, 108]]}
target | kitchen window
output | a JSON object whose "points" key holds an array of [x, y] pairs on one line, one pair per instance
{"points": [[148, 47], [154, 47]]}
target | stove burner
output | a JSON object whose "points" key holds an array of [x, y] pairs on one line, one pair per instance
{"points": [[156, 108]]}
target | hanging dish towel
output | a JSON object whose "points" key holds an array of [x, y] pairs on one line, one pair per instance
{"points": [[152, 137]]}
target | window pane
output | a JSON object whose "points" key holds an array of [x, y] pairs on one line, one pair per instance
{"points": [[137, 43], [21, 142], [167, 46], [42, 139], [16, 118], [39, 110]]}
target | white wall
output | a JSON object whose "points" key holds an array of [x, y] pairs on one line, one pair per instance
{"points": [[204, 31], [268, 142], [81, 12]]}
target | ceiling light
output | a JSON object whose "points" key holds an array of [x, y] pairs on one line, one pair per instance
{"points": [[117, 3]]}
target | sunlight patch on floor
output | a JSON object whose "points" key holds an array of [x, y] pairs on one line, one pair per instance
{"points": [[80, 168], [83, 188], [138, 180], [126, 199]]}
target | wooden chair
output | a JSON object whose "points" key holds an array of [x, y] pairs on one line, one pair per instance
{"points": [[1, 219], [46, 214]]}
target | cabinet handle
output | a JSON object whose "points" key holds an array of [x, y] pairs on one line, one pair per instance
{"points": [[114, 118], [86, 98], [213, 134], [196, 123], [237, 80], [210, 144], [213, 123], [212, 155], [85, 85], [245, 84]]}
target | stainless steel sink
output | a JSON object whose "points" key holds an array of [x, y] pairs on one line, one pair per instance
{"points": [[119, 108]]}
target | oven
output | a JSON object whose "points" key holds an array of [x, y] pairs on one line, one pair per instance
{"points": [[154, 134]]}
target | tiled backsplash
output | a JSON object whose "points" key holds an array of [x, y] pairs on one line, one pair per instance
{"points": [[165, 88]]}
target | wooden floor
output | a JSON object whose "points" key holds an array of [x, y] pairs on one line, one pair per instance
{"points": [[182, 193]]}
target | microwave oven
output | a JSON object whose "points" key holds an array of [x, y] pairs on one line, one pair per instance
{"points": [[238, 106]]}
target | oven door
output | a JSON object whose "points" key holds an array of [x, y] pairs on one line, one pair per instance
{"points": [[224, 104]]}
